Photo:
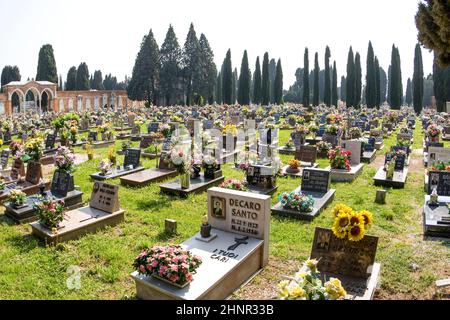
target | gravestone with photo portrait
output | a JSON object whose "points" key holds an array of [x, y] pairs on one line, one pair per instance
{"points": [[50, 141], [132, 158], [153, 127]]}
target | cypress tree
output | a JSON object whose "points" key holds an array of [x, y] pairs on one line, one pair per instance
{"points": [[219, 89], [272, 72], [334, 87], [417, 84], [343, 91], [227, 80], [192, 65], [371, 87], [327, 87], [358, 80], [441, 78], [316, 80], [257, 83], [383, 85], [278, 84], [170, 56], [61, 85], [306, 79], [82, 77], [395, 80], [377, 83], [265, 90], [235, 86], [71, 82], [97, 82], [209, 70], [244, 81], [350, 82], [46, 70], [408, 94]]}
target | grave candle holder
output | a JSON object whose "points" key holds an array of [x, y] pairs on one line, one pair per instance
{"points": [[205, 228], [42, 189]]}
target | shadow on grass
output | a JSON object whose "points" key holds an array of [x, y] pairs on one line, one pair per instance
{"points": [[4, 219], [24, 243], [444, 241], [165, 236], [153, 204]]}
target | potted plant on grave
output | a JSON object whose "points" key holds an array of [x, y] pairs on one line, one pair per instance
{"points": [[73, 134], [64, 136], [65, 162], [313, 128], [308, 285], [297, 201], [349, 224], [340, 159], [293, 166], [331, 118], [433, 133], [34, 149], [439, 166], [104, 166], [17, 198], [50, 213], [170, 264], [211, 167], [292, 120], [323, 148], [196, 165], [112, 156], [89, 150], [181, 161], [165, 129], [125, 145], [234, 184], [355, 133]]}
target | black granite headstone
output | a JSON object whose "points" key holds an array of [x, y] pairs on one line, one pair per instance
{"points": [[50, 141], [439, 180], [132, 157], [62, 183], [4, 157], [92, 136], [315, 180]]}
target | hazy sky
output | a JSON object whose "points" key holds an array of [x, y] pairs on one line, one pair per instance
{"points": [[106, 34]]}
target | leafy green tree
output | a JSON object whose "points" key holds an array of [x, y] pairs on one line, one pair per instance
{"points": [[265, 92], [71, 81], [371, 81], [327, 86], [257, 84], [82, 82], [209, 70], [227, 79], [97, 81], [418, 80], [350, 92], [145, 79], [358, 80], [316, 80], [278, 84], [433, 23], [10, 74], [46, 70], [170, 55], [306, 78], [244, 81], [334, 87]]}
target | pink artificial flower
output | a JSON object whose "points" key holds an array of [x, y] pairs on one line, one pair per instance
{"points": [[142, 268]]}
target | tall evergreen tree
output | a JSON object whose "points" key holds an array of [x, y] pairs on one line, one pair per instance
{"points": [[71, 81], [395, 80], [110, 82], [219, 89], [46, 70], [383, 85], [257, 85], [371, 82], [316, 80], [377, 83], [10, 74], [235, 82], [83, 77], [61, 85], [209, 70], [350, 82], [272, 73], [343, 91], [192, 65], [408, 94], [144, 83], [244, 81], [278, 84], [227, 80], [441, 79], [358, 80], [97, 81], [265, 90], [305, 99], [170, 55], [418, 80], [334, 87], [327, 87]]}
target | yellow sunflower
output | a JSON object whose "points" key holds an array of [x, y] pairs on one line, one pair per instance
{"points": [[356, 233], [356, 219], [340, 225], [341, 208], [368, 218]]}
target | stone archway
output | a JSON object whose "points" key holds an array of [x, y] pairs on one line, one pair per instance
{"points": [[32, 100]]}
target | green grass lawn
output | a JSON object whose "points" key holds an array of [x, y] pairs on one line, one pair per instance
{"points": [[31, 270]]}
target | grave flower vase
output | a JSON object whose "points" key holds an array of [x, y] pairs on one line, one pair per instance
{"points": [[180, 286], [185, 180]]}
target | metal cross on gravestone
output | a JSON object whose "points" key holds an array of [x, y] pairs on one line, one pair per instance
{"points": [[239, 241]]}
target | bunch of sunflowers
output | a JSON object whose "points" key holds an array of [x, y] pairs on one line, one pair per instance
{"points": [[349, 224]]}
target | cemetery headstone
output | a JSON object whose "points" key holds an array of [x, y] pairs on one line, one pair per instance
{"points": [[62, 183], [105, 197], [132, 157], [4, 157], [306, 154], [315, 180]]}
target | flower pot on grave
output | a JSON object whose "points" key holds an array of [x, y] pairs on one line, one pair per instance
{"points": [[212, 172], [205, 230], [180, 286], [195, 172], [292, 170], [185, 180]]}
